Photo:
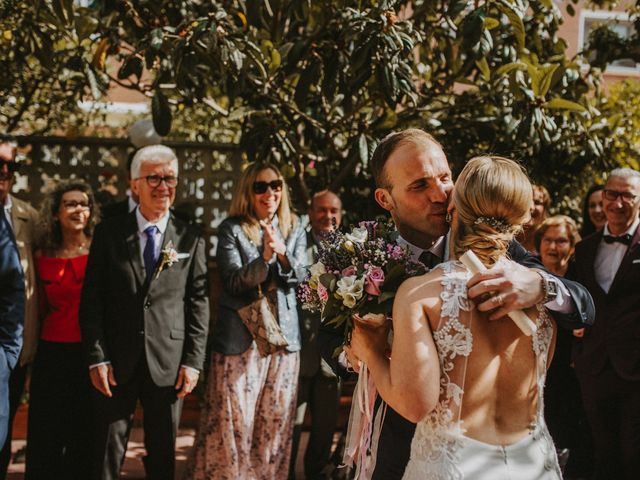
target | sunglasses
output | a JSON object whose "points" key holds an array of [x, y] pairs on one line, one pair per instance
{"points": [[261, 187], [613, 195], [10, 164]]}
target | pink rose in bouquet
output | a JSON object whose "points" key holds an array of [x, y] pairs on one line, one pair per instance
{"points": [[373, 279], [323, 293], [349, 271]]}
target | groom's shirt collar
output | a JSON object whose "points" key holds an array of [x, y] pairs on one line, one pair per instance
{"points": [[438, 248]]}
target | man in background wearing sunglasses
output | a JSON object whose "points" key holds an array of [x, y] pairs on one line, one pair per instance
{"points": [[144, 316], [608, 361], [22, 219]]}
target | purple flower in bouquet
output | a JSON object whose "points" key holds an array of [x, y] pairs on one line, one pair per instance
{"points": [[357, 274]]}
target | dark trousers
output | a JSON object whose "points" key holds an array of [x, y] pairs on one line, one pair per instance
{"points": [[612, 405], [59, 433], [16, 387], [394, 445], [321, 394], [114, 417]]}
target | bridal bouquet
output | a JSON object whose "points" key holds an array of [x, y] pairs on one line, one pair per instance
{"points": [[356, 277]]}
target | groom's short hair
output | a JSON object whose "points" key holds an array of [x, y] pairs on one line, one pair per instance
{"points": [[389, 144]]}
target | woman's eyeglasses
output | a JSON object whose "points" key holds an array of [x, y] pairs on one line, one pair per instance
{"points": [[613, 195], [261, 187], [72, 205], [154, 180]]}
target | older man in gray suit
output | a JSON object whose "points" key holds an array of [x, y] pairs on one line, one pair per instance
{"points": [[144, 316]]}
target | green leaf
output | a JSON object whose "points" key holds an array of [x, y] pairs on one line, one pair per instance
{"points": [[483, 66], [161, 112], [363, 149], [85, 26], [562, 104], [545, 78], [384, 296], [509, 67], [156, 39], [490, 23], [516, 22]]}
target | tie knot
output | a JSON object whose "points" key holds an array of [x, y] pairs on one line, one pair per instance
{"points": [[624, 239], [429, 259], [151, 230]]}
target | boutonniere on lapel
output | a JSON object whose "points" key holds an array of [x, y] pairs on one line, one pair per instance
{"points": [[169, 256]]}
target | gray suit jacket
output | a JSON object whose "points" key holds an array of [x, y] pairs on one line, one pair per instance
{"points": [[242, 269], [123, 317]]}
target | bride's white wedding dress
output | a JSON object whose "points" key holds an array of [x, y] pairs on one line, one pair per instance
{"points": [[440, 450]]}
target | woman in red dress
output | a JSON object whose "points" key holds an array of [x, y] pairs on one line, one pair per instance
{"points": [[59, 437]]}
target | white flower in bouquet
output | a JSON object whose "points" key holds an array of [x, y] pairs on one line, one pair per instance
{"points": [[350, 290], [315, 271], [358, 235]]}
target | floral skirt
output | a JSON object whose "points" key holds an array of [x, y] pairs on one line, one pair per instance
{"points": [[246, 424]]}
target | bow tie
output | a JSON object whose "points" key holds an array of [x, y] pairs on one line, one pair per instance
{"points": [[624, 239]]}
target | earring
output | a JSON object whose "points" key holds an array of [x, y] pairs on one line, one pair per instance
{"points": [[447, 217]]}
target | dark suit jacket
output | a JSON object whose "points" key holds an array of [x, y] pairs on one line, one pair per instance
{"points": [[115, 209], [12, 300], [123, 317], [615, 335], [311, 362]]}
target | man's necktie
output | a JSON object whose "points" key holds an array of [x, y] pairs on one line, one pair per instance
{"points": [[624, 239], [149, 254], [429, 259]]}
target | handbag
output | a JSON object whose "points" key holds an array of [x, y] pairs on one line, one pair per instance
{"points": [[260, 317]]}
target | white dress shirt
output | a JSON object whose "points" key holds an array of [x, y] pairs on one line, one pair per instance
{"points": [[609, 257], [7, 210], [143, 224]]}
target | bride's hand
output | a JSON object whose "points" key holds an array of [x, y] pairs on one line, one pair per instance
{"points": [[367, 341]]}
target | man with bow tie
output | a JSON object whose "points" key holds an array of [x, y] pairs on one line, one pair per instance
{"points": [[144, 316], [608, 360]]}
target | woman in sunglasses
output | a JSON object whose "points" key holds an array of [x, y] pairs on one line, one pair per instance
{"points": [[247, 423], [59, 437]]}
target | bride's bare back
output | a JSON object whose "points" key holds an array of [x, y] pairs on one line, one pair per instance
{"points": [[500, 399]]}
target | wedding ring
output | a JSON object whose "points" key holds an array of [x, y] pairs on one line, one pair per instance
{"points": [[499, 300]]}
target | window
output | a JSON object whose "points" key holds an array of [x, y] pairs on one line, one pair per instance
{"points": [[616, 21]]}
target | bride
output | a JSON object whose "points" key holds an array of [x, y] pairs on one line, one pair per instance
{"points": [[474, 386]]}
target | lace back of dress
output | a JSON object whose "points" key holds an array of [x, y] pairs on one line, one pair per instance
{"points": [[436, 441], [439, 436]]}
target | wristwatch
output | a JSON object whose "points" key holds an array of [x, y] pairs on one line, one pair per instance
{"points": [[549, 287]]}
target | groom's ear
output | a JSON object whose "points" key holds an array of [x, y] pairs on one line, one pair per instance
{"points": [[383, 197]]}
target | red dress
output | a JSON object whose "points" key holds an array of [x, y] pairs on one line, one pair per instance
{"points": [[61, 279]]}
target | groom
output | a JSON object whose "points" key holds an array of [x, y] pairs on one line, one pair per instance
{"points": [[414, 183], [144, 316]]}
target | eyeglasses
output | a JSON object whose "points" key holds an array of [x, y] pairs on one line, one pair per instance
{"points": [[261, 187], [10, 164], [73, 204], [613, 195], [154, 181]]}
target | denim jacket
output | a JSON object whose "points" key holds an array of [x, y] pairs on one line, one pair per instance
{"points": [[242, 269]]}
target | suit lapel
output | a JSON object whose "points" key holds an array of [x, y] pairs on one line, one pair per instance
{"points": [[133, 247], [591, 247], [627, 260], [18, 218], [170, 238]]}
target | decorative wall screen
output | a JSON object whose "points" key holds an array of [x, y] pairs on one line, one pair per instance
{"points": [[207, 174]]}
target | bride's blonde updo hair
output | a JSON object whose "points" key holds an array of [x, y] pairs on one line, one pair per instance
{"points": [[493, 198]]}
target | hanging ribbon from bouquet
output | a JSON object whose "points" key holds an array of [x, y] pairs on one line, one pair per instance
{"points": [[363, 431]]}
